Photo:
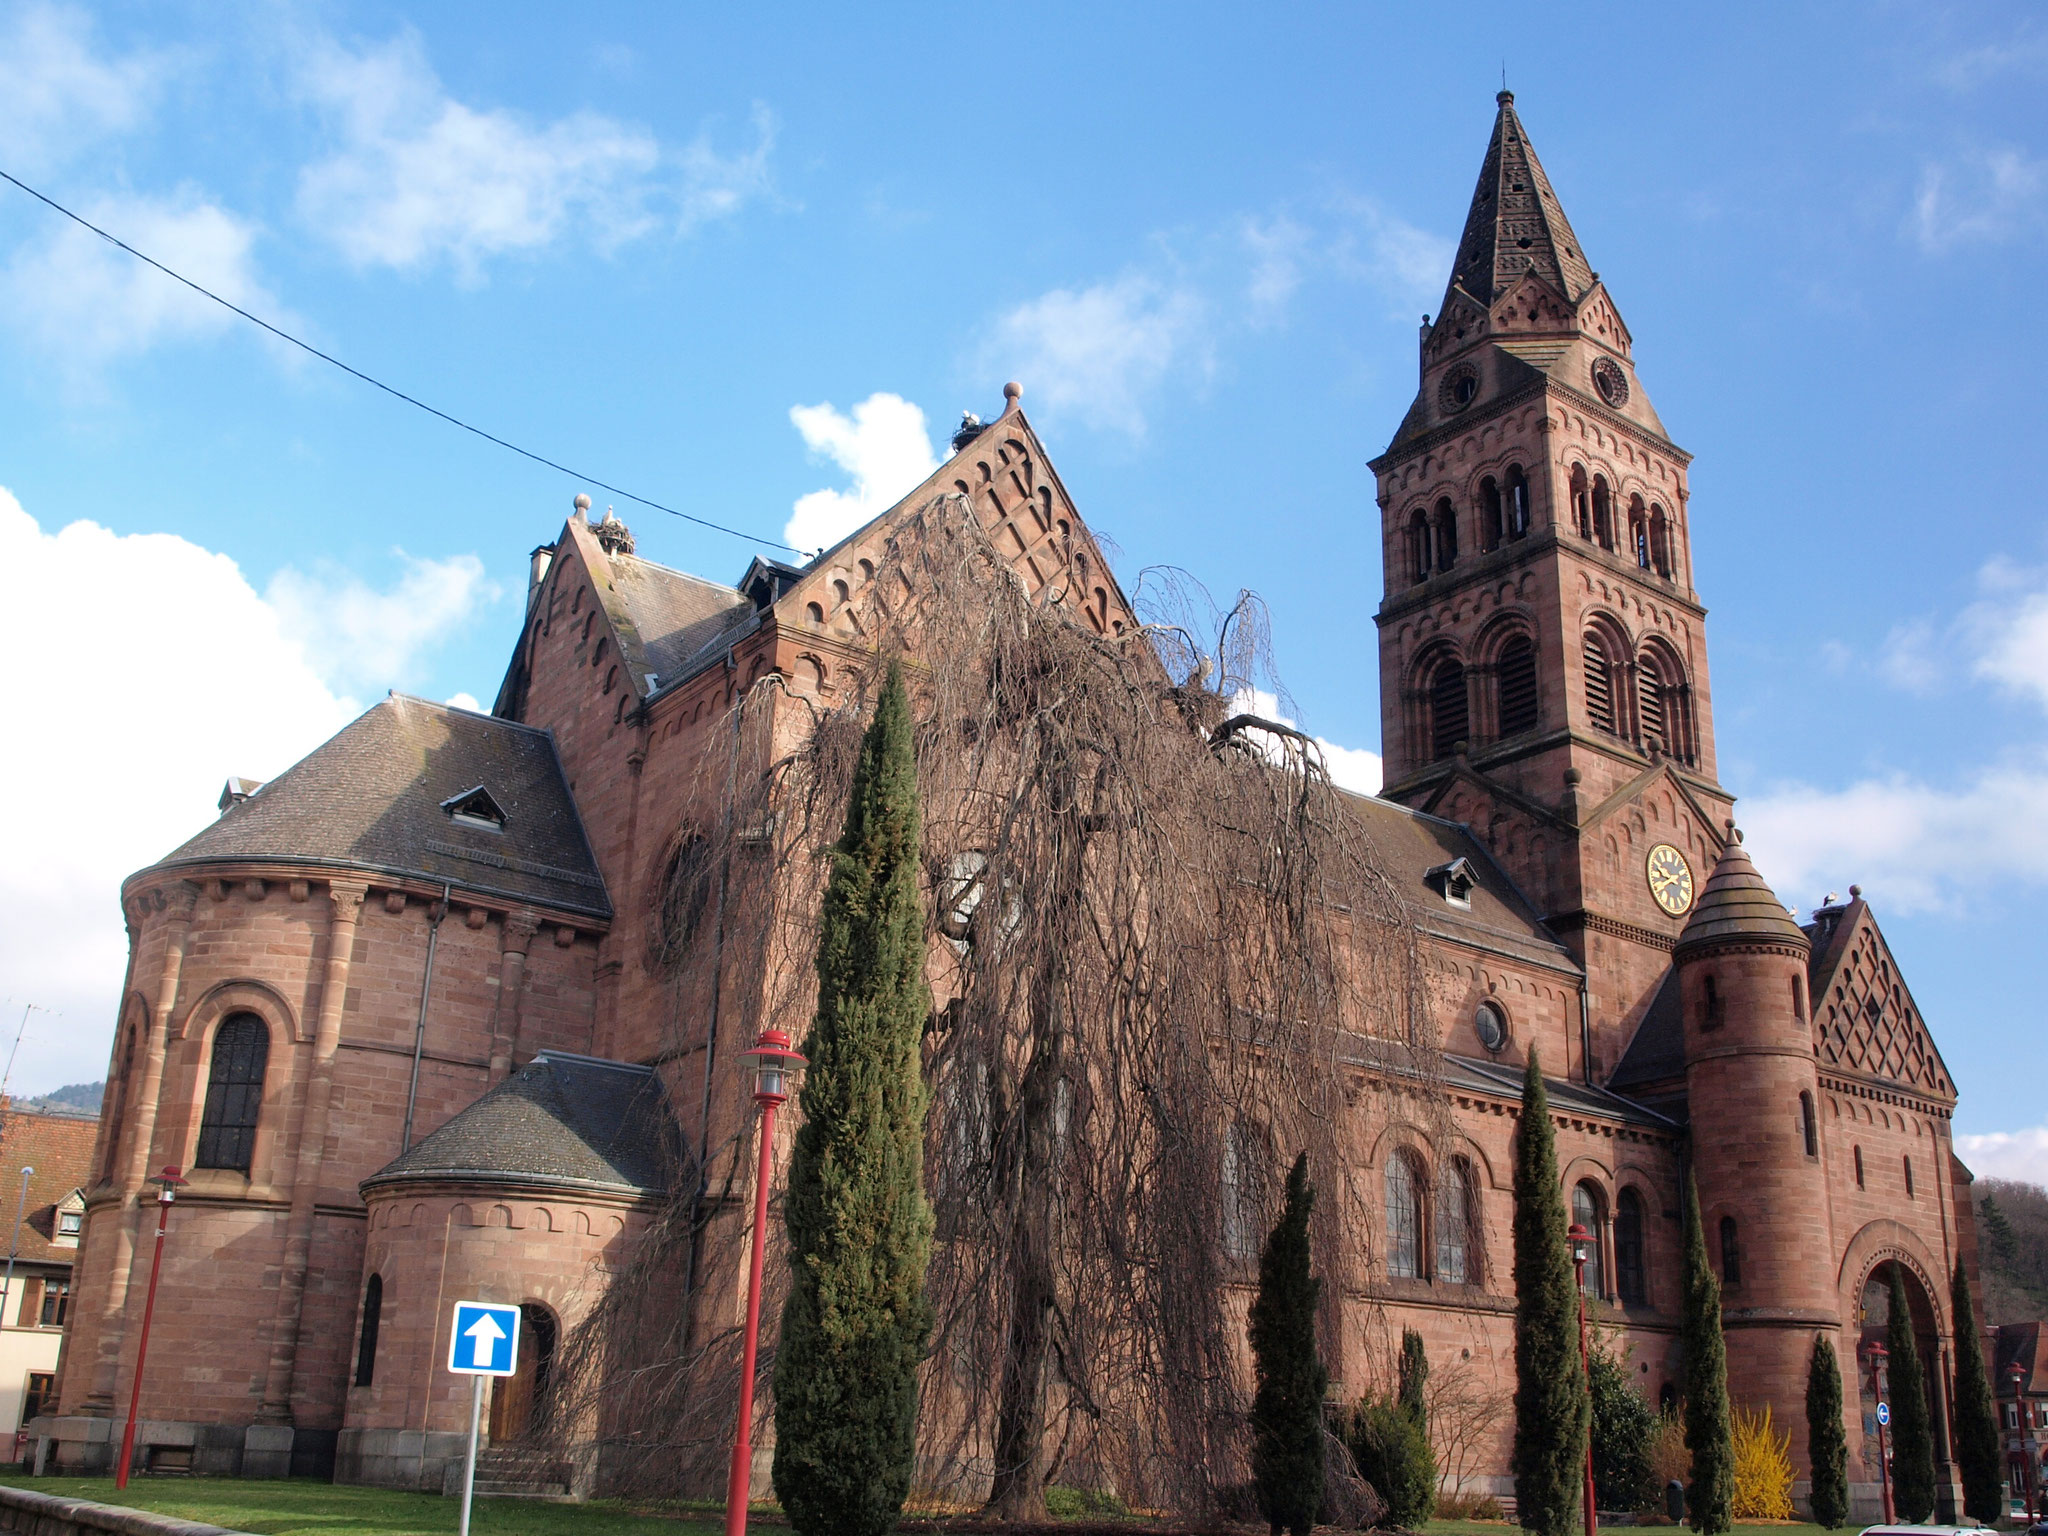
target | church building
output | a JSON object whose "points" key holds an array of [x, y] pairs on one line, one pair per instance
{"points": [[392, 1013]]}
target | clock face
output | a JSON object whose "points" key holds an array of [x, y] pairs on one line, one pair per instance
{"points": [[1670, 879]]}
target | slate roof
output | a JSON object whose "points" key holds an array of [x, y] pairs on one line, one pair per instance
{"points": [[677, 616], [59, 1148], [579, 1122], [1515, 223], [371, 799], [1657, 1053], [1735, 903], [1408, 844], [1565, 1097]]}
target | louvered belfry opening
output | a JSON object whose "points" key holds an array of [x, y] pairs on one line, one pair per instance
{"points": [[1448, 718], [1650, 703], [1599, 685], [1515, 673]]}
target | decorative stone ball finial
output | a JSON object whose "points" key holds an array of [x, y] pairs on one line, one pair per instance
{"points": [[1855, 893], [1012, 393], [582, 501]]}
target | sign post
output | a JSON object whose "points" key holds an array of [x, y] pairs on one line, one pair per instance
{"points": [[483, 1341]]}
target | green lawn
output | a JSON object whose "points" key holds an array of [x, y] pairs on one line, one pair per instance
{"points": [[298, 1505]]}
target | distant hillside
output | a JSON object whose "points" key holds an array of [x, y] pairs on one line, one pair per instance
{"points": [[82, 1099], [2012, 1246]]}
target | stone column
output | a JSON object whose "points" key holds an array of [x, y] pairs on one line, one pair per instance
{"points": [[519, 929], [345, 903], [180, 900]]}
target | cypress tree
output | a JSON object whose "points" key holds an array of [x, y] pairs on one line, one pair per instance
{"points": [[1827, 1445], [1912, 1430], [1709, 1501], [1414, 1377], [1551, 1403], [1977, 1451], [860, 1230], [1287, 1412]]}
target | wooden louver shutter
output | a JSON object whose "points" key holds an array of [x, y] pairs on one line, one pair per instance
{"points": [[1599, 686]]}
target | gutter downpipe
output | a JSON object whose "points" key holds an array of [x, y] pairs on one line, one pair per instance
{"points": [[419, 1033]]}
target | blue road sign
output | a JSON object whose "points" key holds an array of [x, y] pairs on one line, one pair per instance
{"points": [[1884, 1413], [484, 1340]]}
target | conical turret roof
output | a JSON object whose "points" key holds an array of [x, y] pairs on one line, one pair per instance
{"points": [[1736, 904], [1516, 222]]}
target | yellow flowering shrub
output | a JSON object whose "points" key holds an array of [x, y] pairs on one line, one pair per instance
{"points": [[1763, 1467]]}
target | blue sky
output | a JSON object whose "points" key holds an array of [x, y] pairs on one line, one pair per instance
{"points": [[735, 258]]}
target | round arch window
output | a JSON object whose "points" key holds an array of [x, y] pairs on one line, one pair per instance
{"points": [[1492, 1026]]}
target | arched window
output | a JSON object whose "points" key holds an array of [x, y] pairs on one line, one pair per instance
{"points": [[1603, 513], [1731, 1253], [1859, 1167], [1710, 1003], [1446, 535], [1449, 711], [1588, 1210], [1660, 541], [1244, 1178], [1599, 684], [1639, 532], [1664, 703], [1582, 502], [1808, 1125], [1628, 1249], [1518, 503], [234, 1093], [1490, 523], [1457, 1225], [366, 1340], [1515, 697], [1404, 1217], [1798, 1000], [1418, 546]]}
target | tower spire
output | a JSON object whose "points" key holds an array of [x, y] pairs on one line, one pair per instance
{"points": [[1515, 222]]}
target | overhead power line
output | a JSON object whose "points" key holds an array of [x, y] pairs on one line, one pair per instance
{"points": [[375, 383]]}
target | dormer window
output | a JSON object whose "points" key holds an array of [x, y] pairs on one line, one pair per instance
{"points": [[475, 808], [70, 1223], [1454, 882]]}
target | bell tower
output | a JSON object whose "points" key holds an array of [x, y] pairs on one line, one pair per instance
{"points": [[1543, 663]]}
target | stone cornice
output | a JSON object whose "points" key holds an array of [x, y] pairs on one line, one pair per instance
{"points": [[1543, 385], [1879, 1091], [1612, 927], [297, 875]]}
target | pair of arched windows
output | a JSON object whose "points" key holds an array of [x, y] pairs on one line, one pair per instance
{"points": [[1509, 685], [1651, 543], [1432, 1239], [1432, 534], [1649, 537], [1627, 1276], [1647, 700]]}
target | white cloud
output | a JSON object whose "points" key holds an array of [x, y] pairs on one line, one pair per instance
{"points": [[1278, 246], [1911, 845], [1352, 768], [1097, 352], [421, 177], [84, 303], [466, 701], [1981, 196], [60, 94], [1406, 264], [2019, 1155], [119, 750], [358, 635], [2008, 628], [883, 448]]}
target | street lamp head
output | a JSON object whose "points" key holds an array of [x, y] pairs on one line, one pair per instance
{"points": [[2017, 1375], [774, 1064], [168, 1183], [1581, 1241]]}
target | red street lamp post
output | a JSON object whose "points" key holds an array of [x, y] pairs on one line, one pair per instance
{"points": [[168, 1183], [1582, 1241], [1877, 1354], [2022, 1462], [774, 1064]]}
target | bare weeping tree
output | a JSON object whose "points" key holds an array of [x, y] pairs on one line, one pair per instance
{"points": [[1165, 960]]}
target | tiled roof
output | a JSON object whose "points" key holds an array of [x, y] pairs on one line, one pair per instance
{"points": [[1566, 1098], [1516, 222], [371, 798], [59, 1148], [1735, 903], [677, 616], [575, 1121], [1409, 844]]}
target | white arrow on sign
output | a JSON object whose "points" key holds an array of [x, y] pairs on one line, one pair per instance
{"points": [[486, 1332]]}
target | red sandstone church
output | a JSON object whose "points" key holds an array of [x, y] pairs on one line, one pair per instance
{"points": [[391, 1012]]}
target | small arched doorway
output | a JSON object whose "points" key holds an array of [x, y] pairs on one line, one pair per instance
{"points": [[514, 1398]]}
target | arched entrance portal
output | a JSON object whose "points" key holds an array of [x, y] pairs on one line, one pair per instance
{"points": [[514, 1398], [1875, 1314]]}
